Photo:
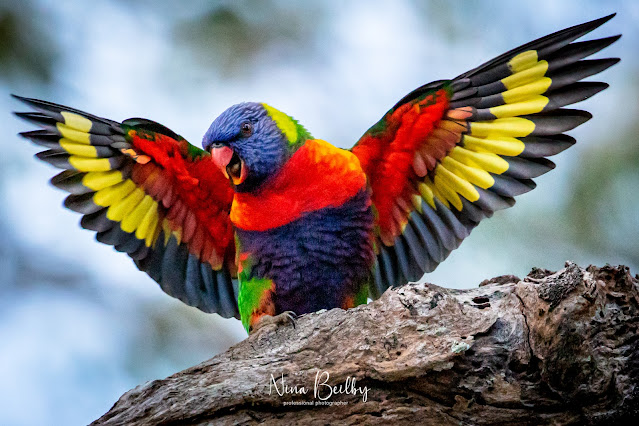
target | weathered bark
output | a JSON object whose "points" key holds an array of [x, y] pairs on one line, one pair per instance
{"points": [[553, 348]]}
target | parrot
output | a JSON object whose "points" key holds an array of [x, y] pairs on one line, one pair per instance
{"points": [[266, 222]]}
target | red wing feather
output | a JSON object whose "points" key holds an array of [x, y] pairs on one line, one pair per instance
{"points": [[149, 193], [391, 154], [451, 153]]}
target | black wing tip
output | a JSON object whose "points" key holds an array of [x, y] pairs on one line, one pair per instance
{"points": [[55, 158], [601, 43], [28, 114], [586, 89], [606, 18], [569, 112], [595, 23], [578, 116], [546, 162], [563, 37], [31, 117], [610, 62], [23, 99], [583, 114], [27, 135], [47, 108], [34, 135], [579, 30], [589, 26], [610, 40], [32, 102]]}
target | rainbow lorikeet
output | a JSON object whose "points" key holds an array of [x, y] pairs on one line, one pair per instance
{"points": [[266, 219]]}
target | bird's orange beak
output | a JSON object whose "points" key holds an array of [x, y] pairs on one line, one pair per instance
{"points": [[230, 164]]}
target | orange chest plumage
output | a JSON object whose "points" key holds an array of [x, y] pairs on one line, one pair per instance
{"points": [[317, 176]]}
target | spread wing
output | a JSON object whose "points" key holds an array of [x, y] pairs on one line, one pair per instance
{"points": [[451, 153], [150, 194]]}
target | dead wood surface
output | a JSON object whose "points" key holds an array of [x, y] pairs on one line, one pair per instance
{"points": [[553, 348]]}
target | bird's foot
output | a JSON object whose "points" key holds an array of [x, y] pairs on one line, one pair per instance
{"points": [[285, 318]]}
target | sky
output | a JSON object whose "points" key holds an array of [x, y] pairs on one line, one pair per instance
{"points": [[80, 324]]}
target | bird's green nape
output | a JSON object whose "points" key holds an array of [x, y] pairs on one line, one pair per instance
{"points": [[294, 132]]}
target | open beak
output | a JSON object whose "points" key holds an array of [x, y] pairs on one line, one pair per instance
{"points": [[230, 164]]}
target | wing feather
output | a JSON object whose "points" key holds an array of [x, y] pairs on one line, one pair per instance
{"points": [[148, 193], [451, 153]]}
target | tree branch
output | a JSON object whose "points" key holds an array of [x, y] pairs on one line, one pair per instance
{"points": [[553, 348]]}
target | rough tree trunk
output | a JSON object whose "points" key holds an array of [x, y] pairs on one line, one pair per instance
{"points": [[553, 348]]}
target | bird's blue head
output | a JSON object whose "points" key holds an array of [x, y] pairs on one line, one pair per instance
{"points": [[251, 141]]}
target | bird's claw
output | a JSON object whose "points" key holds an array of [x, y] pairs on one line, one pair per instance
{"points": [[285, 318]]}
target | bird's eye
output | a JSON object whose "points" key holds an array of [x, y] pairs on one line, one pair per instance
{"points": [[246, 128]]}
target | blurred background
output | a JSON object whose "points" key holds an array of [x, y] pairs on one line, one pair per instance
{"points": [[80, 325]]}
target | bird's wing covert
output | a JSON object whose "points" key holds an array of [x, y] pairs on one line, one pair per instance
{"points": [[149, 193], [452, 152]]}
